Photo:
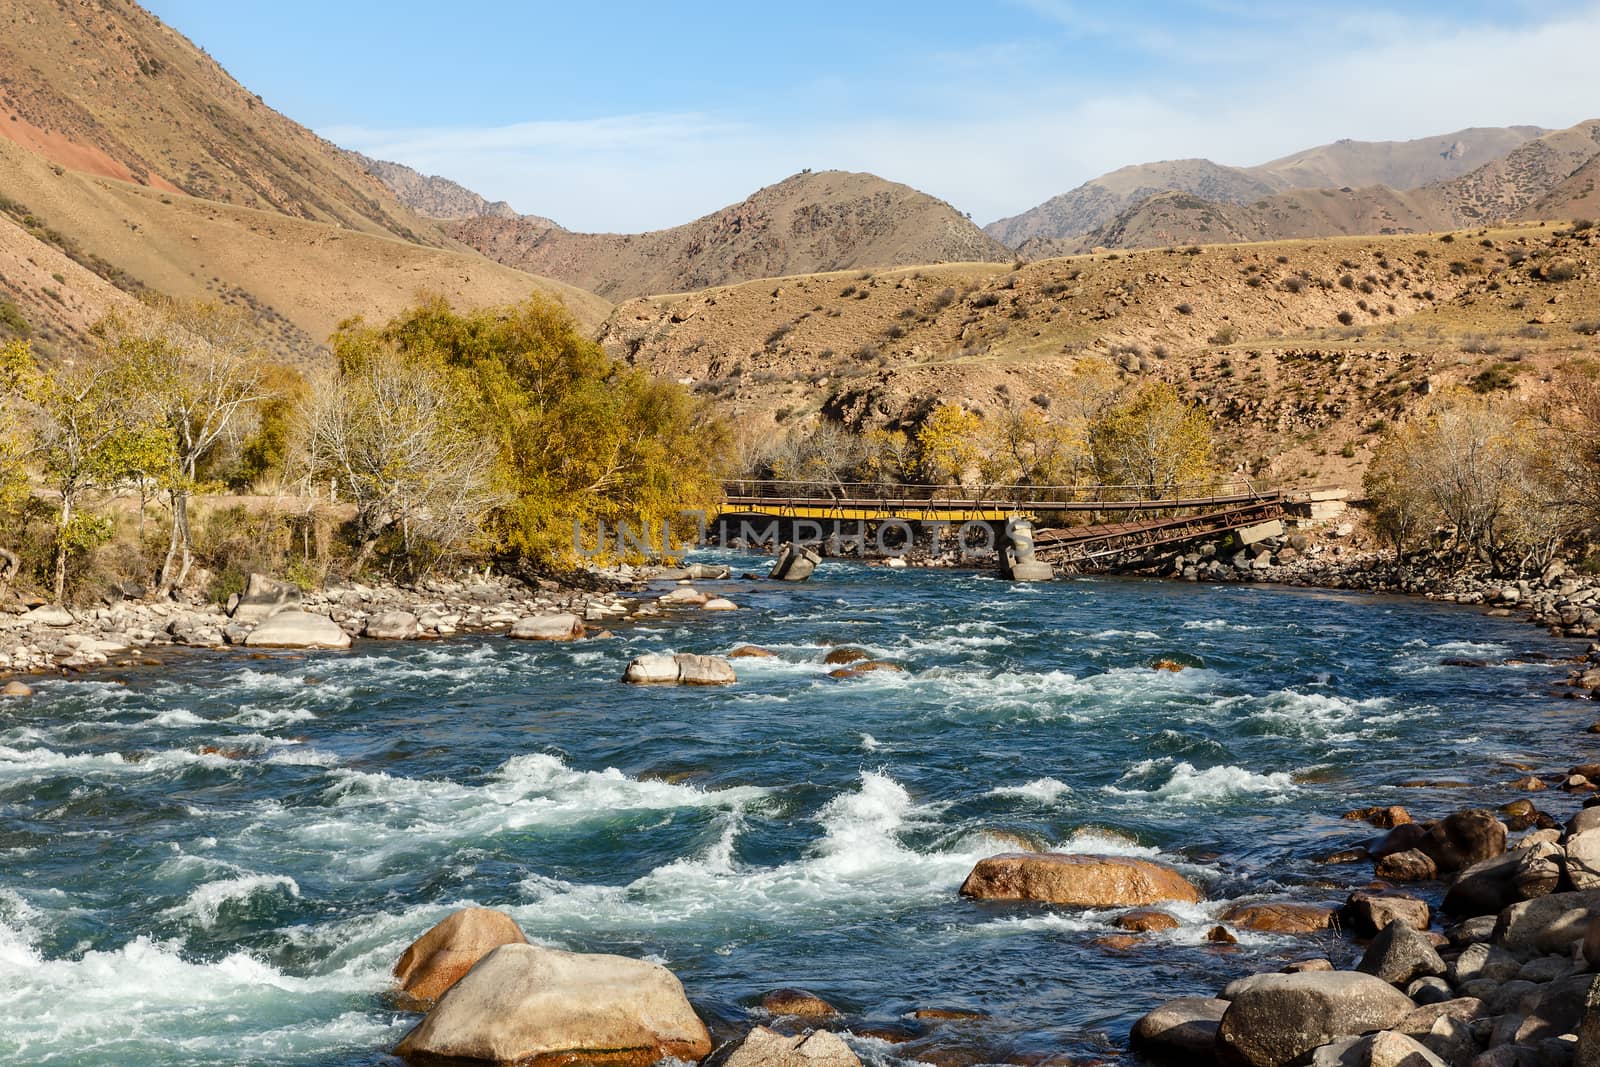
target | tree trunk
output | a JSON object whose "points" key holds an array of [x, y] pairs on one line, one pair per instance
{"points": [[180, 511], [61, 548]]}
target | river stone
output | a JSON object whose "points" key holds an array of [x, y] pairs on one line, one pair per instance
{"points": [[1146, 920], [1383, 1049], [292, 628], [766, 1048], [1583, 858], [798, 1003], [1367, 911], [752, 652], [681, 669], [1400, 954], [1279, 917], [48, 615], [14, 688], [1407, 835], [1411, 865], [1484, 888], [1484, 961], [539, 1007], [1464, 1009], [1431, 990], [439, 958], [720, 603], [561, 627], [685, 595], [1279, 1018], [1184, 1029], [1560, 1009], [1587, 1051], [1076, 880], [1464, 838], [264, 597], [1385, 818], [392, 626], [840, 656], [1548, 924]]}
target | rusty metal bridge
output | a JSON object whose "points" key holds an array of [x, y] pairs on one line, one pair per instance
{"points": [[1115, 519]]}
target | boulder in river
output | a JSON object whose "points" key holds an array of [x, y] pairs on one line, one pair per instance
{"points": [[293, 628], [1276, 1019], [1279, 917], [1583, 859], [1464, 838], [1412, 865], [1367, 911], [795, 563], [798, 1003], [14, 688], [1384, 818], [1182, 1030], [391, 626], [564, 626], [1146, 920], [871, 666], [682, 669], [439, 958], [767, 1048], [752, 652], [523, 1004], [684, 595], [719, 603], [838, 657], [1076, 880]]}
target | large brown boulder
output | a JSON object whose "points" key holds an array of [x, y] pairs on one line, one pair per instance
{"points": [[292, 628], [1076, 881], [439, 958], [1279, 917], [1367, 911], [797, 1003], [765, 1048], [539, 1007], [564, 626], [1462, 839], [1275, 1019]]}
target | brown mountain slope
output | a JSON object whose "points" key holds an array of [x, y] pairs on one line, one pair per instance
{"points": [[829, 220], [301, 277], [1097, 202], [1508, 187], [103, 86], [434, 197], [1258, 332], [1576, 198], [1397, 164]]}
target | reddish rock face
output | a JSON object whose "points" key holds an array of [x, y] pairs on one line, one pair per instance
{"points": [[1076, 881], [439, 958]]}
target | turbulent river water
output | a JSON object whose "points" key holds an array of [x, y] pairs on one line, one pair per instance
{"points": [[219, 860]]}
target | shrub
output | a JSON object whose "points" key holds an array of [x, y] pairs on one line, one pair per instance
{"points": [[1346, 318], [1559, 269], [1293, 285], [985, 300], [1479, 345], [1223, 336], [1588, 328], [942, 299]]}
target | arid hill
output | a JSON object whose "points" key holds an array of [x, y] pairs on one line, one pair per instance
{"points": [[1521, 185], [830, 220], [1396, 164], [434, 197], [1301, 349], [104, 87], [130, 161]]}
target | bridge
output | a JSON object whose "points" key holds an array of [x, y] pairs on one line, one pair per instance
{"points": [[1112, 519]]}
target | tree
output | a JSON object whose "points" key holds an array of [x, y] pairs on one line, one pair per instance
{"points": [[578, 437], [1029, 448], [1402, 506], [401, 443], [199, 366], [88, 430], [1154, 441], [949, 444]]}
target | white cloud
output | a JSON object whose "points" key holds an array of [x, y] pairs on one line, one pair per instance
{"points": [[1025, 137]]}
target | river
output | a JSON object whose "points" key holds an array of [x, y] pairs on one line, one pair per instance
{"points": [[218, 860]]}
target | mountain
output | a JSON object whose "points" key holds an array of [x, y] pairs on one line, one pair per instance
{"points": [[434, 197], [827, 220], [104, 87], [1578, 197], [1397, 164], [129, 160], [1523, 184]]}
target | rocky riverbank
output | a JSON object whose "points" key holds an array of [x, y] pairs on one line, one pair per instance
{"points": [[37, 638]]}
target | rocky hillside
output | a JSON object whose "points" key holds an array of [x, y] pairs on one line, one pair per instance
{"points": [[1522, 185], [429, 195], [104, 87], [1395, 164], [1302, 349], [829, 220]]}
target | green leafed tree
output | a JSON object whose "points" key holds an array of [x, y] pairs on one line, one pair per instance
{"points": [[1154, 440]]}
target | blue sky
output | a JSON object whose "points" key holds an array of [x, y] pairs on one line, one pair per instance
{"points": [[636, 116]]}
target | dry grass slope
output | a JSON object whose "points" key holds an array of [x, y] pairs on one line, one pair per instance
{"points": [[1303, 350]]}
